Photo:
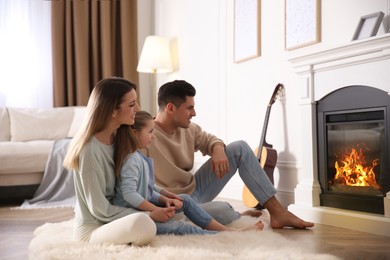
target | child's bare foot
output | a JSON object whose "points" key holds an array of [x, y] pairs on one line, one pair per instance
{"points": [[258, 226], [288, 219], [252, 213]]}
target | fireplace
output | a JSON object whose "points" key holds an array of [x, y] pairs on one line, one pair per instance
{"points": [[333, 76], [353, 151]]}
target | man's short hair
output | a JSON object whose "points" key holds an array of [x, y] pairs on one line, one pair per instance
{"points": [[175, 92]]}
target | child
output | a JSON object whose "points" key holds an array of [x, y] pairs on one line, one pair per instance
{"points": [[136, 189]]}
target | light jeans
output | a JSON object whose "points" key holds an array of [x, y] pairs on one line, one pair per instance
{"points": [[208, 186], [193, 212]]}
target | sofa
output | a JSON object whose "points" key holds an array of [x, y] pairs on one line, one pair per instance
{"points": [[26, 138]]}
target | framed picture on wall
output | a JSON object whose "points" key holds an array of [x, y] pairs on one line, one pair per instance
{"points": [[368, 26], [301, 23], [246, 30]]}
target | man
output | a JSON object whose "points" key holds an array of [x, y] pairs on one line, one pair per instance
{"points": [[176, 141]]}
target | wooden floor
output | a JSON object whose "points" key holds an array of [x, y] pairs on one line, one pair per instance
{"points": [[17, 226]]}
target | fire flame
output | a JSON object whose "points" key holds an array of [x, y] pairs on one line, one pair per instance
{"points": [[353, 172]]}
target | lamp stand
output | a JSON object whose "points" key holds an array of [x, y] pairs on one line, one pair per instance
{"points": [[154, 92]]}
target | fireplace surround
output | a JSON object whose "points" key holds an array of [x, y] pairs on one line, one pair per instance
{"points": [[363, 62]]}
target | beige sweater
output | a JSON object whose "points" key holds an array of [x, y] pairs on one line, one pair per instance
{"points": [[174, 156]]}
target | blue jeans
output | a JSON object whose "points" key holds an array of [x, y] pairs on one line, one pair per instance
{"points": [[208, 186], [192, 211]]}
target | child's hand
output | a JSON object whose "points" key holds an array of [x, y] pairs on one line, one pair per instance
{"points": [[178, 204], [162, 214], [172, 195]]}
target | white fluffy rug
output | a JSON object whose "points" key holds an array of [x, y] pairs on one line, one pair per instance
{"points": [[54, 241]]}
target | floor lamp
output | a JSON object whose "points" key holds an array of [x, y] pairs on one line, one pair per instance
{"points": [[155, 58]]}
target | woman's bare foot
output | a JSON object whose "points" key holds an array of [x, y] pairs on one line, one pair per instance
{"points": [[252, 213], [288, 219]]}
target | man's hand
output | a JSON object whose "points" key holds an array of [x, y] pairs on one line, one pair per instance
{"points": [[219, 161], [162, 214]]}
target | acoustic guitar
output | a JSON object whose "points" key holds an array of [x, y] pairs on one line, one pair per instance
{"points": [[266, 155]]}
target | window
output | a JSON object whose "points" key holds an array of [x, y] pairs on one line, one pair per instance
{"points": [[25, 51]]}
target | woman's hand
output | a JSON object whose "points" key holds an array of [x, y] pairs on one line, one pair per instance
{"points": [[162, 214]]}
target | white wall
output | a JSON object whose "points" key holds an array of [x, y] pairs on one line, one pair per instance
{"points": [[232, 98]]}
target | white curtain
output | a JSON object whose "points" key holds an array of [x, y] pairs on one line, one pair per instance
{"points": [[25, 54]]}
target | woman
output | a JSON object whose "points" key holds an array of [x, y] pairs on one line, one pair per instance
{"points": [[95, 153]]}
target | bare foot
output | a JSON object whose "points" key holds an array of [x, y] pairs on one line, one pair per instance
{"points": [[258, 226], [252, 213], [288, 219]]}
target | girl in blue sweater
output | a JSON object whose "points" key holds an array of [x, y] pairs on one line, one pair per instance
{"points": [[135, 188]]}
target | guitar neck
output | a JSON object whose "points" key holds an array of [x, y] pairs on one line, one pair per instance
{"points": [[278, 88], [264, 132]]}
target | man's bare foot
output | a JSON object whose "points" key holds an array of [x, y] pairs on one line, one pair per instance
{"points": [[252, 213], [288, 219]]}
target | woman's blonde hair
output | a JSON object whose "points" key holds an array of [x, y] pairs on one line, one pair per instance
{"points": [[105, 98]]}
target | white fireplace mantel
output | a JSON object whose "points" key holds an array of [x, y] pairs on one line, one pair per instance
{"points": [[377, 47], [362, 59], [362, 62]]}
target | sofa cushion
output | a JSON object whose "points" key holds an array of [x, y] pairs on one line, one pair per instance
{"points": [[5, 133], [78, 117], [24, 157], [39, 124]]}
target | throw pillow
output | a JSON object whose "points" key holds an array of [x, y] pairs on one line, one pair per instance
{"points": [[5, 134], [78, 117], [39, 124]]}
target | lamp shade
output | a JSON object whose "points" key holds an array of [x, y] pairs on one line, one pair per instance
{"points": [[155, 55]]}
